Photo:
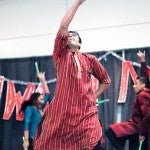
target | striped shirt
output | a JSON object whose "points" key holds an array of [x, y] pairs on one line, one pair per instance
{"points": [[71, 121]]}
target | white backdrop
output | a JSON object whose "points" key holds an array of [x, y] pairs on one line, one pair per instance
{"points": [[28, 27]]}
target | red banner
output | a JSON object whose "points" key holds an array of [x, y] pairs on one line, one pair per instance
{"points": [[15, 99], [127, 69]]}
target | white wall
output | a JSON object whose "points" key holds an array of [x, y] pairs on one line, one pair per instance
{"points": [[28, 27]]}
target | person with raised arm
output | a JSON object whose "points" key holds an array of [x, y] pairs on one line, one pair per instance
{"points": [[136, 129], [145, 70], [33, 110], [71, 121]]}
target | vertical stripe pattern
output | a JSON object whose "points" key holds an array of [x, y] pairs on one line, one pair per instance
{"points": [[71, 120]]}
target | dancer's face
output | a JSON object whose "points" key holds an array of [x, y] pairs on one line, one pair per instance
{"points": [[138, 86], [39, 101], [73, 41]]}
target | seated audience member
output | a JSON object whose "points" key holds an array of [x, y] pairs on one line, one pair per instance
{"points": [[138, 127]]}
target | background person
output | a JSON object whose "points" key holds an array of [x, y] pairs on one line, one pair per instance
{"points": [[137, 128], [33, 112]]}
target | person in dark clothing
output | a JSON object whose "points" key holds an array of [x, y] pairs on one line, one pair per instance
{"points": [[138, 127], [145, 70]]}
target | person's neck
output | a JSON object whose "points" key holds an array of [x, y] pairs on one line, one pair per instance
{"points": [[36, 106], [74, 50]]}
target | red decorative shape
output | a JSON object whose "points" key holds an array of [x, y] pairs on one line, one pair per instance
{"points": [[15, 99], [127, 69]]}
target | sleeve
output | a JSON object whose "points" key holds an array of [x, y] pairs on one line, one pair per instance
{"points": [[99, 71], [145, 108], [136, 112], [47, 98], [144, 70], [27, 117], [60, 46], [145, 125]]}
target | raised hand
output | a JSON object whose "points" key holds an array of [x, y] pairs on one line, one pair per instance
{"points": [[41, 76], [141, 138], [141, 56]]}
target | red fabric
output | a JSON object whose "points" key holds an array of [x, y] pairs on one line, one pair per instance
{"points": [[124, 128], [71, 121], [140, 119]]}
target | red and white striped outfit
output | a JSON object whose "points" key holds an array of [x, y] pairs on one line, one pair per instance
{"points": [[71, 120]]}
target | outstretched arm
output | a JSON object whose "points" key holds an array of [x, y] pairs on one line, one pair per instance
{"points": [[41, 77], [144, 69], [62, 36], [69, 16], [141, 56]]}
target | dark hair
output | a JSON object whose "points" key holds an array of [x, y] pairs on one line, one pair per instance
{"points": [[143, 80], [80, 41], [31, 101]]}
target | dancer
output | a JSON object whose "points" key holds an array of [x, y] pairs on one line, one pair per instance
{"points": [[138, 126], [33, 112], [145, 72], [71, 121]]}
